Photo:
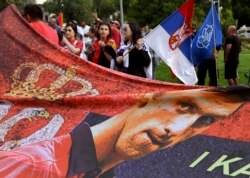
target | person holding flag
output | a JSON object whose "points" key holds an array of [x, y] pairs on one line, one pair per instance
{"points": [[171, 40], [205, 47]]}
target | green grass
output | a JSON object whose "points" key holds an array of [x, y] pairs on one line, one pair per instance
{"points": [[163, 71]]}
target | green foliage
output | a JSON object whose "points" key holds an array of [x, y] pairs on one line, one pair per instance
{"points": [[149, 12], [226, 15], [19, 3], [105, 8], [3, 5], [142, 11], [241, 11], [72, 10]]}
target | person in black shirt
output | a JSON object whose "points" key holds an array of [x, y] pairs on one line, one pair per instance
{"points": [[232, 49]]}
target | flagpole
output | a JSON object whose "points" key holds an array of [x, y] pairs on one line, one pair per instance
{"points": [[122, 15], [218, 1], [128, 51], [214, 50]]}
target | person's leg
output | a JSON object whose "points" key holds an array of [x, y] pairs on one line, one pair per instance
{"points": [[202, 72], [235, 81], [212, 73], [230, 81], [233, 75]]}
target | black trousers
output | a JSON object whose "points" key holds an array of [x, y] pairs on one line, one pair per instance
{"points": [[210, 66]]}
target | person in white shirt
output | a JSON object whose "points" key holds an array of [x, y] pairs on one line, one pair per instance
{"points": [[83, 29]]}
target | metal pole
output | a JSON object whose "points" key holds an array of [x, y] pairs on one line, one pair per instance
{"points": [[121, 12], [214, 50], [219, 9]]}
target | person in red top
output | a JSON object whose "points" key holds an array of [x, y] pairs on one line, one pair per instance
{"points": [[70, 42], [34, 15], [116, 33], [117, 36], [104, 48], [115, 24]]}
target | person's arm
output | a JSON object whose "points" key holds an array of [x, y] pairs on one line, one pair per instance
{"points": [[110, 50], [95, 16], [227, 51], [107, 56], [142, 53], [52, 159], [120, 53], [72, 49], [216, 52]]}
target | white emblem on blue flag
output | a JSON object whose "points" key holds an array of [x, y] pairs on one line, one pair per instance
{"points": [[205, 37]]}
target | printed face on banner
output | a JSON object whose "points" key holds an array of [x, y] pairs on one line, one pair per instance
{"points": [[164, 120]]}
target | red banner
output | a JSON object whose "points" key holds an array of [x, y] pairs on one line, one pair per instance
{"points": [[46, 92]]}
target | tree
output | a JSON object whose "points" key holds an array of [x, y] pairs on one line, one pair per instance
{"points": [[105, 8], [19, 3], [77, 10], [72, 10], [226, 15], [149, 12], [241, 12], [3, 5]]}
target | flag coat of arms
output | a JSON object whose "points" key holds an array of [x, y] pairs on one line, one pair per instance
{"points": [[208, 37], [171, 40]]}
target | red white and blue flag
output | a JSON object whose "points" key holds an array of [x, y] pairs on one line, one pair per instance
{"points": [[171, 40]]}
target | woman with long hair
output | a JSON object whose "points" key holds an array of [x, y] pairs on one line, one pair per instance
{"points": [[133, 53], [104, 47], [70, 41]]}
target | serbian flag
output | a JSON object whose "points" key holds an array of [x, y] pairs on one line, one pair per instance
{"points": [[171, 40], [208, 37]]}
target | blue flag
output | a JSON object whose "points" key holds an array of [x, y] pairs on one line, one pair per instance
{"points": [[208, 37]]}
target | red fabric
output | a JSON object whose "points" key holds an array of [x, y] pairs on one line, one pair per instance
{"points": [[185, 11], [41, 84], [60, 19], [46, 31], [58, 82], [36, 159]]}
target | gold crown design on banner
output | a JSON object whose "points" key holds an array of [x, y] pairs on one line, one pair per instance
{"points": [[28, 87]]}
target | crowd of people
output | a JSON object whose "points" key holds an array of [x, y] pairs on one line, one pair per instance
{"points": [[101, 42], [143, 128], [104, 44], [232, 49]]}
